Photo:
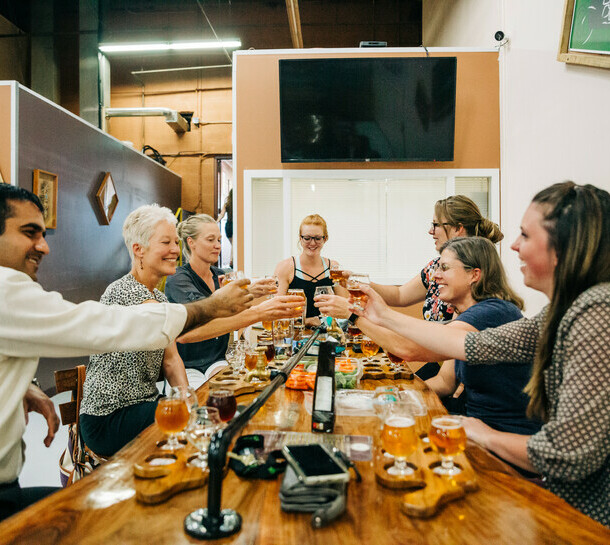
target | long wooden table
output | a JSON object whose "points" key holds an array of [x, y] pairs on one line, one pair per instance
{"points": [[102, 508]]}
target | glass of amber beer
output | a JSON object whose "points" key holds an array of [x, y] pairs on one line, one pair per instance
{"points": [[336, 274], [448, 438], [358, 297], [398, 437], [172, 416]]}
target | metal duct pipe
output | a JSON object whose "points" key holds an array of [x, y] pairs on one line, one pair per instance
{"points": [[172, 117]]}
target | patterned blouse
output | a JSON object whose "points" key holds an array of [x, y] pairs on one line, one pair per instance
{"points": [[434, 309], [572, 450], [120, 379]]}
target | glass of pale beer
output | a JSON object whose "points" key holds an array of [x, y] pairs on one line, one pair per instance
{"points": [[357, 296], [398, 437], [172, 416], [448, 438]]}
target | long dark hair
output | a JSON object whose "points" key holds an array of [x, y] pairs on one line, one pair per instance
{"points": [[480, 253], [577, 220]]}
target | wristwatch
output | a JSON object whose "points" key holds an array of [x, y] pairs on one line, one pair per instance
{"points": [[36, 382], [352, 319]]}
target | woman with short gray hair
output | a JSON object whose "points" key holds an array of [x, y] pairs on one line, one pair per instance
{"points": [[120, 393]]}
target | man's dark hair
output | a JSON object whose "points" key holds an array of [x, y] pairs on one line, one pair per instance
{"points": [[12, 193]]}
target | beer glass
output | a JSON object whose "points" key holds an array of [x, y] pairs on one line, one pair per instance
{"points": [[172, 416], [283, 335], [336, 274], [448, 438], [273, 289], [357, 296], [394, 359], [267, 342], [369, 348], [250, 358], [324, 290], [382, 399], [203, 423], [419, 410], [299, 321], [224, 400], [398, 437]]}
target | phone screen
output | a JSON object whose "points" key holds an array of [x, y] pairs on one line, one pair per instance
{"points": [[314, 460]]}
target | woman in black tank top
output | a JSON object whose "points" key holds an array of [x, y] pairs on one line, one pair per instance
{"points": [[308, 270]]}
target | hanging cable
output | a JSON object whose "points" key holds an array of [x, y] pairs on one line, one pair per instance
{"points": [[213, 31], [426, 50]]}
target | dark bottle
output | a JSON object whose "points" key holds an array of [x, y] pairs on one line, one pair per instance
{"points": [[323, 411]]}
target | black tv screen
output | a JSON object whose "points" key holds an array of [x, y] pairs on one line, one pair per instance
{"points": [[367, 109]]}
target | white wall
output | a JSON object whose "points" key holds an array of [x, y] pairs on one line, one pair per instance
{"points": [[555, 118]]}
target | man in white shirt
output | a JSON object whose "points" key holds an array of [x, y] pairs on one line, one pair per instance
{"points": [[36, 323]]}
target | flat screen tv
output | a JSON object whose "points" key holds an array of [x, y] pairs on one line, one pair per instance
{"points": [[367, 109]]}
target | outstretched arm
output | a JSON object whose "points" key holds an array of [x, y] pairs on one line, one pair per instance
{"points": [[445, 342], [278, 308]]}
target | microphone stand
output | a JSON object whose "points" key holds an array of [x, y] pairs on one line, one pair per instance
{"points": [[212, 522]]}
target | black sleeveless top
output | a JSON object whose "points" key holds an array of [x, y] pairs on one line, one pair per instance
{"points": [[309, 286]]}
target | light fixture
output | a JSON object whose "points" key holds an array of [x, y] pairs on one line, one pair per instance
{"points": [[170, 46]]}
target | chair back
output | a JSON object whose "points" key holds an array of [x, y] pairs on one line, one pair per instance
{"points": [[70, 380]]}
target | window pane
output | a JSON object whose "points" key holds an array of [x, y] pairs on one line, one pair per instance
{"points": [[410, 207], [267, 225], [477, 189]]}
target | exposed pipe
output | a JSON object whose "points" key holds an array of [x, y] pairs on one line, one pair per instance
{"points": [[136, 72], [172, 117], [294, 20]]}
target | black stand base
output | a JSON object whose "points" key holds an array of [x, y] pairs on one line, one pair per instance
{"points": [[198, 524]]}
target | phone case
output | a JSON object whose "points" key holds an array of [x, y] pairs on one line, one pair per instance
{"points": [[344, 476]]}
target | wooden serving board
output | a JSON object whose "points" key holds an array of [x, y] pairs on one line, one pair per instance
{"points": [[430, 491], [383, 368], [234, 380], [156, 483]]}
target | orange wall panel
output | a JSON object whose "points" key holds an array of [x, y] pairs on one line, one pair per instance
{"points": [[257, 116], [5, 132]]}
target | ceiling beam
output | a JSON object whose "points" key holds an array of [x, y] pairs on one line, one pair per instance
{"points": [[294, 20]]}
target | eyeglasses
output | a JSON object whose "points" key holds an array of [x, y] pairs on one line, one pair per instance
{"points": [[309, 239], [446, 267], [435, 225]]}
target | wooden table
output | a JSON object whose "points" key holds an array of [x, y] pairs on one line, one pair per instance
{"points": [[102, 509]]}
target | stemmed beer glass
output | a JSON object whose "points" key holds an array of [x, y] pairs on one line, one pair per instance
{"points": [[203, 423], [359, 298], [398, 437], [448, 438], [323, 290], [172, 416]]}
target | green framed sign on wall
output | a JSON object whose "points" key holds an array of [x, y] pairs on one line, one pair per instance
{"points": [[585, 37]]}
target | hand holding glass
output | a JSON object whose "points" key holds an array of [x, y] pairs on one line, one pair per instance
{"points": [[358, 297]]}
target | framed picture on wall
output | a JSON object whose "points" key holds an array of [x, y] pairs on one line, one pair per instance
{"points": [[585, 36], [45, 186], [107, 198]]}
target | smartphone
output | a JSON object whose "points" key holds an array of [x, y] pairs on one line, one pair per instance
{"points": [[315, 464]]}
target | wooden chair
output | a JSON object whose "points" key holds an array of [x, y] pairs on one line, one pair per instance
{"points": [[81, 460], [70, 380]]}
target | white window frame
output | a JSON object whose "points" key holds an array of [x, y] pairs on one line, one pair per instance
{"points": [[378, 174]]}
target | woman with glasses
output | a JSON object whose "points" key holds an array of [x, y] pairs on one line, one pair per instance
{"points": [[308, 270], [470, 278], [564, 249]]}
